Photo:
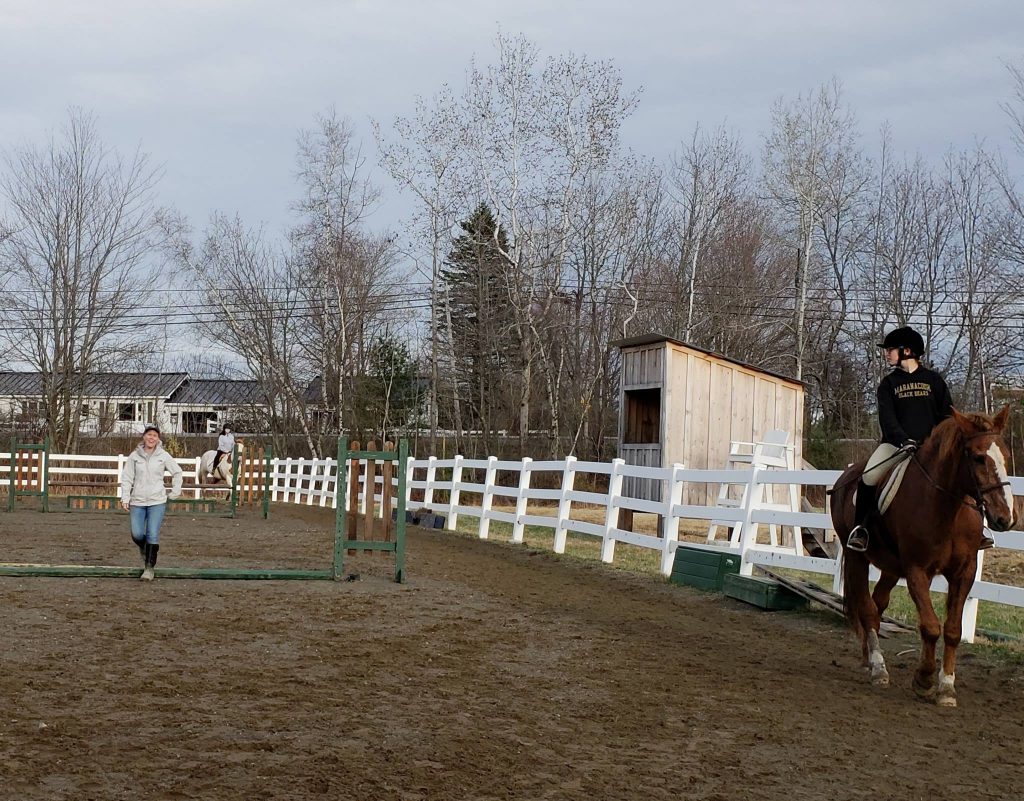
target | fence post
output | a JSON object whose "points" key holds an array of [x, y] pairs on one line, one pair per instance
{"points": [[969, 622], [453, 495], [565, 503], [120, 472], [488, 497], [268, 460], [274, 483], [519, 527], [428, 491], [670, 534], [409, 470], [748, 537], [611, 514]]}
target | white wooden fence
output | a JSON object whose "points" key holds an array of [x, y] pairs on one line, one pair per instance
{"points": [[504, 491]]}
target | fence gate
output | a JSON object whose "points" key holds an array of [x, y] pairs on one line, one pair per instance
{"points": [[358, 526]]}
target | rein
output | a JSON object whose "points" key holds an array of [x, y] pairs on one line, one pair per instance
{"points": [[979, 492]]}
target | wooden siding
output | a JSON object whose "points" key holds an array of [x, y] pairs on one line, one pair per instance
{"points": [[642, 456], [644, 367], [707, 403]]}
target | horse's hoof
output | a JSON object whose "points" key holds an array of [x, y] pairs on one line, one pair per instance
{"points": [[880, 678], [945, 700], [926, 693]]}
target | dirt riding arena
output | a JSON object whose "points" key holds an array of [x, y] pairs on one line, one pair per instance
{"points": [[495, 672]]}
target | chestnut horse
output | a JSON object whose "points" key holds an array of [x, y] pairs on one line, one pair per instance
{"points": [[933, 526]]}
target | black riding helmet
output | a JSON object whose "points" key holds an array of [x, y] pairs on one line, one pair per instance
{"points": [[905, 337]]}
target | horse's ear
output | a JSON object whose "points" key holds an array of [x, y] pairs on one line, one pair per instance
{"points": [[999, 421]]}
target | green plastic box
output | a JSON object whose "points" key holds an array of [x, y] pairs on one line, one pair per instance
{"points": [[701, 568], [763, 592]]}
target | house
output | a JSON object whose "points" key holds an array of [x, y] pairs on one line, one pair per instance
{"points": [[202, 405], [118, 403], [110, 403]]}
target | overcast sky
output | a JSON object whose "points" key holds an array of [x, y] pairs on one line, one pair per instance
{"points": [[216, 90]]}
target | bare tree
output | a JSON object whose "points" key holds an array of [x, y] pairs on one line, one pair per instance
{"points": [[253, 303], [809, 140], [79, 221], [536, 135], [707, 177], [983, 285], [422, 158], [343, 274]]}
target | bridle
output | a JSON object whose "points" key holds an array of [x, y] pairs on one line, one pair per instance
{"points": [[978, 496]]}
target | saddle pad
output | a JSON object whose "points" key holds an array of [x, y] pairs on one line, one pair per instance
{"points": [[891, 486]]}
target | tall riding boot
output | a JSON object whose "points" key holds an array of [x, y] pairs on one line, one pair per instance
{"points": [[151, 551], [858, 537]]}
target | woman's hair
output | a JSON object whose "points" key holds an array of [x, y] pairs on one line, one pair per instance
{"points": [[226, 430]]}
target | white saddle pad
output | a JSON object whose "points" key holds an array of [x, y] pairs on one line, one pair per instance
{"points": [[891, 486]]}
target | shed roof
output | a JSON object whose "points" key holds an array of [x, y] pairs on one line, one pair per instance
{"points": [[654, 339], [98, 385]]}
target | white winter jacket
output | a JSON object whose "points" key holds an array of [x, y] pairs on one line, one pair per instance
{"points": [[142, 480]]}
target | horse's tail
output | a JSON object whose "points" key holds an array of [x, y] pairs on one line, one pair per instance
{"points": [[855, 565]]}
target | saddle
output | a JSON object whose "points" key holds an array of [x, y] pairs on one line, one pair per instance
{"points": [[890, 485]]}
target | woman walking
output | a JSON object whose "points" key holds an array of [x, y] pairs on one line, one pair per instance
{"points": [[144, 496]]}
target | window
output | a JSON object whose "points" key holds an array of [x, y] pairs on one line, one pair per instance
{"points": [[32, 408], [126, 411], [85, 410]]}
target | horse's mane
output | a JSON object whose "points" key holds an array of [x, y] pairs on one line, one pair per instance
{"points": [[949, 437]]}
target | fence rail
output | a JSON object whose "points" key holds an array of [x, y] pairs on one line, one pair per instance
{"points": [[447, 487]]}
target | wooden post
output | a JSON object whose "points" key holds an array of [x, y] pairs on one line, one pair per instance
{"points": [[352, 505], [387, 493]]}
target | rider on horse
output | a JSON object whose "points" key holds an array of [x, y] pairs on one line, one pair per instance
{"points": [[225, 445], [912, 400]]}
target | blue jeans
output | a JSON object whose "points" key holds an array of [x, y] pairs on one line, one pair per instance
{"points": [[146, 522]]}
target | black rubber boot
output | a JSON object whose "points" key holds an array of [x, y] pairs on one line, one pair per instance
{"points": [[151, 552], [986, 542], [858, 537], [141, 545]]}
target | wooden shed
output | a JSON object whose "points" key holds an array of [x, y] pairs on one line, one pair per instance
{"points": [[682, 404]]}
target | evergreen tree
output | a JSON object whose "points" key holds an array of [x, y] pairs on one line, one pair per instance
{"points": [[477, 320]]}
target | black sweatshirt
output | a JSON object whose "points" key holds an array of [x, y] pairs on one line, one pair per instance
{"points": [[910, 405]]}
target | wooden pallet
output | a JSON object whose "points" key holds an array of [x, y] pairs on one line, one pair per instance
{"points": [[829, 599]]}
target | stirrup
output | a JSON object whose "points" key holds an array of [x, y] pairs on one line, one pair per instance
{"points": [[986, 543], [857, 539]]}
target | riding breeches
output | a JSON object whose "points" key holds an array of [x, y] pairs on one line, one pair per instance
{"points": [[884, 459]]}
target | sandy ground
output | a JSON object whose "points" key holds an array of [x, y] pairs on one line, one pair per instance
{"points": [[495, 672]]}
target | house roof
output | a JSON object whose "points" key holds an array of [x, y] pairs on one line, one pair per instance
{"points": [[98, 385], [219, 392]]}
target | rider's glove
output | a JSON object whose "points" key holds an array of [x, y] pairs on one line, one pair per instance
{"points": [[909, 445]]}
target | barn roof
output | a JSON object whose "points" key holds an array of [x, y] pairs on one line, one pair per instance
{"points": [[219, 392], [654, 339], [98, 385]]}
